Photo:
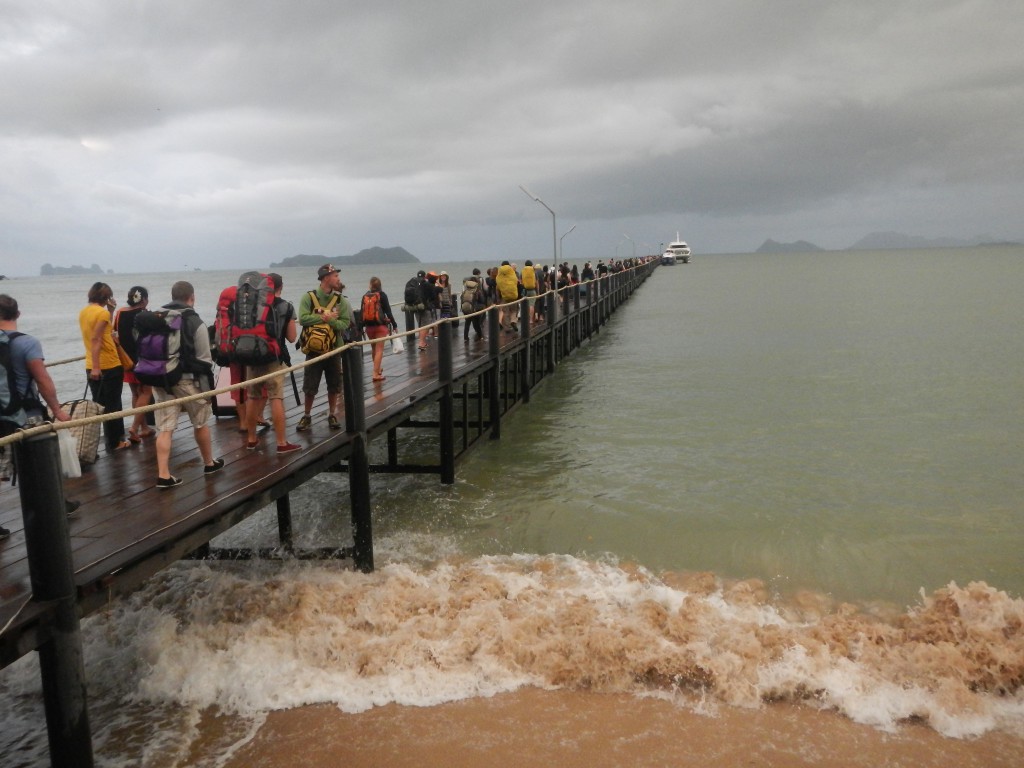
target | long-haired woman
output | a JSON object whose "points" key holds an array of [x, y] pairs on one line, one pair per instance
{"points": [[377, 328], [102, 363]]}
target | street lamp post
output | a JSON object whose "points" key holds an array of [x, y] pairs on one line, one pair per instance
{"points": [[554, 231], [631, 243], [560, 243]]}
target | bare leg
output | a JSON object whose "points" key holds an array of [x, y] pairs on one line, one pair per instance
{"points": [[253, 413], [277, 414], [163, 454], [378, 357], [203, 441]]}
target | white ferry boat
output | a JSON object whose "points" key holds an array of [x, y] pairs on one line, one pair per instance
{"points": [[677, 251]]}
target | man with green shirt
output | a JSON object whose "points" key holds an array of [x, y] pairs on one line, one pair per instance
{"points": [[324, 315]]}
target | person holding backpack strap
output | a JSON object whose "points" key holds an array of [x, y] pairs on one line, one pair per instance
{"points": [[323, 314], [197, 376], [378, 322]]}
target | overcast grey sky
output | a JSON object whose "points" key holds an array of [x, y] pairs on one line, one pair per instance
{"points": [[145, 135]]}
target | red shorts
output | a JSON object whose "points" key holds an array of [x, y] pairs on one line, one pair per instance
{"points": [[375, 331]]}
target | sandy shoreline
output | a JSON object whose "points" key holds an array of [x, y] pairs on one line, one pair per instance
{"points": [[588, 730]]}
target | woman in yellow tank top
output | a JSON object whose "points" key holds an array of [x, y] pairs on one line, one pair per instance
{"points": [[102, 363]]}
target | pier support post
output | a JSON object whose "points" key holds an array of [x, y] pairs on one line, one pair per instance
{"points": [[590, 309], [493, 374], [52, 574], [446, 406], [602, 311], [410, 340], [567, 325], [358, 462], [525, 313], [577, 321], [284, 523], [392, 447], [550, 349]]}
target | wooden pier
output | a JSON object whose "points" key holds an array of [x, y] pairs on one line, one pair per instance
{"points": [[126, 529]]}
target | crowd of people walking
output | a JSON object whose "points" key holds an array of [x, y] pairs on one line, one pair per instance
{"points": [[119, 346], [429, 296]]}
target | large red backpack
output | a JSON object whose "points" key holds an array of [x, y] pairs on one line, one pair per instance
{"points": [[220, 337], [253, 323]]}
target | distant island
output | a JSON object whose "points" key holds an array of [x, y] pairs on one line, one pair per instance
{"points": [[800, 246], [375, 255], [884, 241], [48, 269]]}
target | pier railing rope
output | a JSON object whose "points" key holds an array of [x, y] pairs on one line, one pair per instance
{"points": [[565, 293]]}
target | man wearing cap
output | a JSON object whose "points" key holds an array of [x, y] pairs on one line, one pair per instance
{"points": [[330, 308]]}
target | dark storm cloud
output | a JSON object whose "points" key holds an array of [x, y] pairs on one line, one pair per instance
{"points": [[271, 128]]}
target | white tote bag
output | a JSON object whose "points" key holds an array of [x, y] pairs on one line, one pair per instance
{"points": [[68, 447]]}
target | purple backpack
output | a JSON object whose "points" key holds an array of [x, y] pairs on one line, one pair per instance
{"points": [[158, 341]]}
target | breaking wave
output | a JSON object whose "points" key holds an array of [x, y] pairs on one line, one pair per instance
{"points": [[252, 639]]}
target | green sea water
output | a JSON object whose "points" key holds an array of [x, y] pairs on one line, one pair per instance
{"points": [[845, 422]]}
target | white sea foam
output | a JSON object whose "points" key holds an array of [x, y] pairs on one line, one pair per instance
{"points": [[248, 641], [254, 637]]}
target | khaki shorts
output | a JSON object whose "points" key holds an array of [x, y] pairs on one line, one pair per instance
{"points": [[273, 387], [198, 411], [329, 368]]}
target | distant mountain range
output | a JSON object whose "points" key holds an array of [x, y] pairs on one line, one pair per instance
{"points": [[375, 255], [878, 241]]}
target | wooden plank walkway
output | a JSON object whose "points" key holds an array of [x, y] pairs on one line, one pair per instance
{"points": [[126, 529], [125, 520]]}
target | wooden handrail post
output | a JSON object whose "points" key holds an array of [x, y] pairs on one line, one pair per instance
{"points": [[52, 575]]}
